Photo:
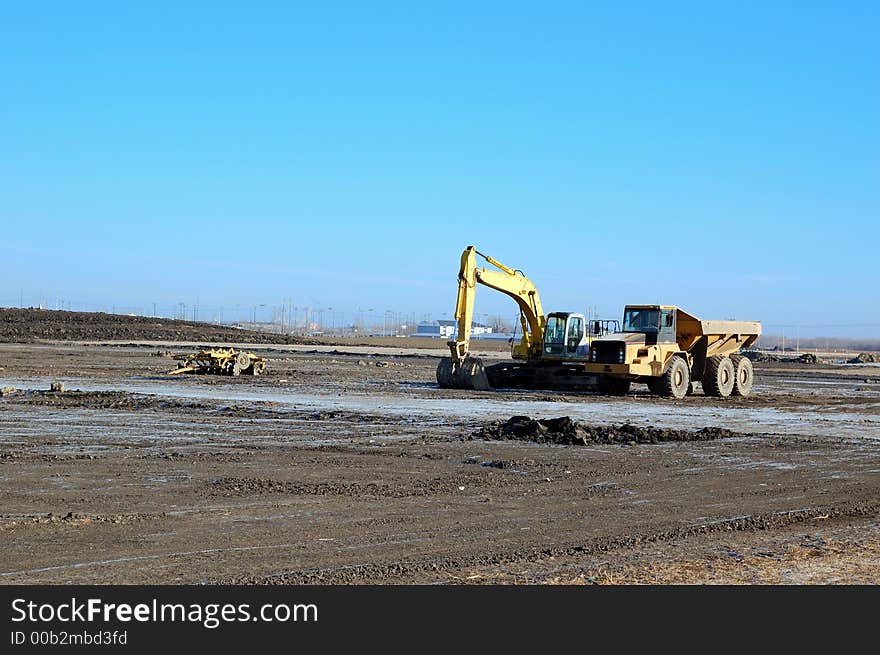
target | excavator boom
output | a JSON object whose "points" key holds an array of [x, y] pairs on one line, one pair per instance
{"points": [[464, 370]]}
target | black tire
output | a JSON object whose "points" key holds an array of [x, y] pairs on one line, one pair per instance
{"points": [[744, 375], [613, 386], [719, 376], [675, 380]]}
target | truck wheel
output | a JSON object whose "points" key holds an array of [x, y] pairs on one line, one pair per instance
{"points": [[744, 375], [613, 386], [719, 376], [675, 380]]}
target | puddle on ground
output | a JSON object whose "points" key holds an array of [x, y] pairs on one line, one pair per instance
{"points": [[794, 420]]}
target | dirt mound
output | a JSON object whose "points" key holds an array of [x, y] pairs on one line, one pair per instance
{"points": [[563, 430], [865, 358], [33, 325], [805, 358], [757, 356]]}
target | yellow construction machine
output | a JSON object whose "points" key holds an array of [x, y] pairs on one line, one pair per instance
{"points": [[669, 349], [220, 361], [551, 352]]}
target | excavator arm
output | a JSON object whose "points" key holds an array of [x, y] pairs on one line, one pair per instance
{"points": [[463, 370], [509, 282]]}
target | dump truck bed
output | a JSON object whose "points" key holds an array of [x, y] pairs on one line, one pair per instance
{"points": [[723, 337]]}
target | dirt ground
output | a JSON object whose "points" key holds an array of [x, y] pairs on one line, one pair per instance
{"points": [[349, 465]]}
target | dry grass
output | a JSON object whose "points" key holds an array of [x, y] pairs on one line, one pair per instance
{"points": [[808, 563]]}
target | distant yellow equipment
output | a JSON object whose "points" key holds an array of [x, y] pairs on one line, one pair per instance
{"points": [[220, 361]]}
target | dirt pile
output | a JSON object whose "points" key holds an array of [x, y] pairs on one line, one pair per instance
{"points": [[757, 356], [33, 325], [865, 358], [564, 431]]}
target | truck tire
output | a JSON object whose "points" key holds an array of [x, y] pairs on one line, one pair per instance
{"points": [[613, 386], [744, 375], [719, 376], [675, 380]]}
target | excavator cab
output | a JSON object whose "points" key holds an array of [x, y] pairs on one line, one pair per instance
{"points": [[565, 336]]}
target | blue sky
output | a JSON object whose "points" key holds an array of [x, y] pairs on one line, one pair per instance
{"points": [[718, 156]]}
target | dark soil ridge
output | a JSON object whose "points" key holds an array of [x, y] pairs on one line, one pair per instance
{"points": [[10, 522], [233, 486], [127, 401], [348, 574], [35, 325], [565, 431]]}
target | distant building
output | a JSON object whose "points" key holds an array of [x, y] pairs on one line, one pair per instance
{"points": [[447, 329]]}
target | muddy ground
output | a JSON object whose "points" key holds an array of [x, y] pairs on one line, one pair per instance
{"points": [[349, 465]]}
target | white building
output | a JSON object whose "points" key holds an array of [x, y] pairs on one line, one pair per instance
{"points": [[447, 329]]}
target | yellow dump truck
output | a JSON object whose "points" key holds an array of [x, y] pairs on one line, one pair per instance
{"points": [[669, 349]]}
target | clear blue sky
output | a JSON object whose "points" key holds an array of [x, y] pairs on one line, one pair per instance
{"points": [[724, 157]]}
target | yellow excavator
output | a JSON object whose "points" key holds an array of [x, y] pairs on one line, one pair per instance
{"points": [[553, 348]]}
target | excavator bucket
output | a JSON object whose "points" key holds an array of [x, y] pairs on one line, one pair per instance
{"points": [[467, 374]]}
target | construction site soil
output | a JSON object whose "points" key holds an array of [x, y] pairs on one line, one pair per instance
{"points": [[347, 464]]}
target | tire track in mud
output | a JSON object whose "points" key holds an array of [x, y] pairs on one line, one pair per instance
{"points": [[372, 573], [12, 522]]}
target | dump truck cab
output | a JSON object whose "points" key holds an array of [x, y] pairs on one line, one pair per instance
{"points": [[647, 338], [656, 323], [668, 349]]}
